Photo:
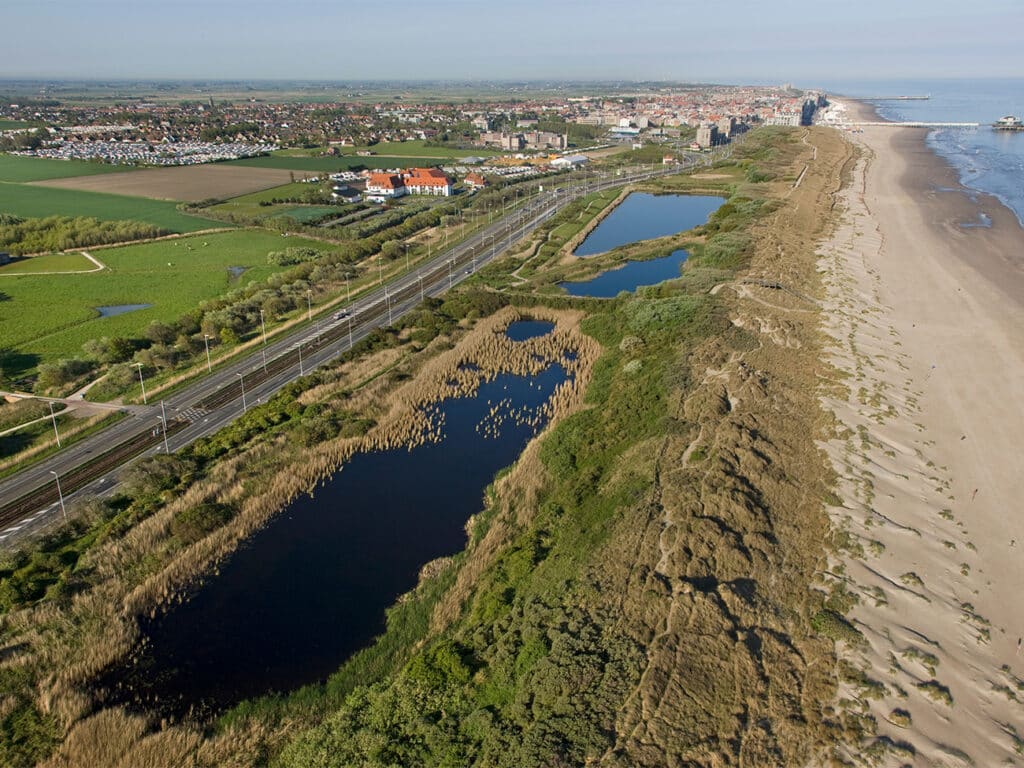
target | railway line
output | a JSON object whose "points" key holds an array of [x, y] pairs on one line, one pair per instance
{"points": [[216, 399]]}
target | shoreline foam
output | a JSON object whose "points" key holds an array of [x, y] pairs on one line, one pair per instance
{"points": [[926, 319]]}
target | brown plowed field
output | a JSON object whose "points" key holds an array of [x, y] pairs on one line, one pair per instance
{"points": [[189, 182]]}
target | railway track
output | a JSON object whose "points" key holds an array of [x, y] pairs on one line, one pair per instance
{"points": [[80, 476]]}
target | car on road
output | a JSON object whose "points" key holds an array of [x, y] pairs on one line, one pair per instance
{"points": [[341, 314]]}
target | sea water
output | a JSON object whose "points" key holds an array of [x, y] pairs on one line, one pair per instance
{"points": [[986, 160]]}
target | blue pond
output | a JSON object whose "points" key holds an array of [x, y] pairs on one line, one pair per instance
{"points": [[310, 589], [523, 330], [120, 309], [630, 276], [643, 216]]}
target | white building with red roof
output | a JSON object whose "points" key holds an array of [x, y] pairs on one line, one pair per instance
{"points": [[385, 185], [428, 181]]}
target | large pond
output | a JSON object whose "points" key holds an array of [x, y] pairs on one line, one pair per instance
{"points": [[306, 592], [630, 276], [643, 216]]}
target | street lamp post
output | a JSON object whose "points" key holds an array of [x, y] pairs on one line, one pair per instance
{"points": [[206, 340], [387, 298], [163, 412], [301, 372], [263, 325], [449, 274], [241, 380], [60, 495], [309, 304], [143, 383], [54, 417]]}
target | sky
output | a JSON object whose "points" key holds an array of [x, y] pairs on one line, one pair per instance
{"points": [[726, 41]]}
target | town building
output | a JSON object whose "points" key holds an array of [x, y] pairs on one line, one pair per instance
{"points": [[475, 181], [707, 135], [385, 185], [427, 181], [346, 194]]}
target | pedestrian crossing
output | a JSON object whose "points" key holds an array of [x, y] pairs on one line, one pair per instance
{"points": [[193, 414]]}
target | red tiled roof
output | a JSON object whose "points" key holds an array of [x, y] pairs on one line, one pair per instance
{"points": [[385, 180]]}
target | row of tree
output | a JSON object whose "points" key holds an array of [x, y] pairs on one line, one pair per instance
{"points": [[59, 233]]}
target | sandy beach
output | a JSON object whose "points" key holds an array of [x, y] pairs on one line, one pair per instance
{"points": [[926, 320]]}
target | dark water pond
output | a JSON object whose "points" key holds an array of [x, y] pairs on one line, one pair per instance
{"points": [[643, 216], [310, 589], [120, 309], [523, 330], [630, 276]]}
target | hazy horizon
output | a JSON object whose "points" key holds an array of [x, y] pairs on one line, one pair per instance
{"points": [[654, 40]]}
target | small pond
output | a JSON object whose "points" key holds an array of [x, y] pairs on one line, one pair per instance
{"points": [[120, 309], [524, 330], [630, 276], [643, 216]]}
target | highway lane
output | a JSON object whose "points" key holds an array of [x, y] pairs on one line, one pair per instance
{"points": [[215, 399]]}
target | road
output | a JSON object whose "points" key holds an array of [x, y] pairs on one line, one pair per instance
{"points": [[30, 500]]}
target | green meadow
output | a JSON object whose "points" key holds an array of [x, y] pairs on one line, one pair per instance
{"points": [[417, 148], [31, 201], [20, 169], [334, 164], [48, 317], [51, 262]]}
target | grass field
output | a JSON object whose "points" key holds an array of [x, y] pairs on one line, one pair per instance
{"points": [[52, 262], [30, 201], [416, 148], [13, 125], [249, 205], [17, 168], [49, 317], [333, 164], [304, 213]]}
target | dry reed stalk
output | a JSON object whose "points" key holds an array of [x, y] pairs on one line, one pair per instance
{"points": [[74, 644]]}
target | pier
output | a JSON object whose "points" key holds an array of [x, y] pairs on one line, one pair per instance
{"points": [[912, 124], [926, 97]]}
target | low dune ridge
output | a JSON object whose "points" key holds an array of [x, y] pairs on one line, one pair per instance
{"points": [[926, 320]]}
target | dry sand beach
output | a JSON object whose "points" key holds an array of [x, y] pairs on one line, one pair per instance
{"points": [[926, 318]]}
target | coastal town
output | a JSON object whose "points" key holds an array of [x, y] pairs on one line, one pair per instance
{"points": [[144, 132]]}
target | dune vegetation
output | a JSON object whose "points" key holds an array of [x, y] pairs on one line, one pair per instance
{"points": [[643, 587]]}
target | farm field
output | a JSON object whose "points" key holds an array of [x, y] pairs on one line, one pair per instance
{"points": [[52, 262], [332, 164], [48, 317], [30, 200], [21, 169], [188, 182], [415, 148]]}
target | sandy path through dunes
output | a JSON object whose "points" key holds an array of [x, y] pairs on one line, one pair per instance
{"points": [[927, 322]]}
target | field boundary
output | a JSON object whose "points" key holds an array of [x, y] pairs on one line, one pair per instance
{"points": [[99, 266]]}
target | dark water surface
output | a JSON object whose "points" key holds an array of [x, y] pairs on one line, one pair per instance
{"points": [[630, 276], [643, 216], [310, 589], [524, 330]]}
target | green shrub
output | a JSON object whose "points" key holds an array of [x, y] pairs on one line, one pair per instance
{"points": [[192, 524]]}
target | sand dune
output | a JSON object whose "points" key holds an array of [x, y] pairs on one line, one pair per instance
{"points": [[927, 323]]}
